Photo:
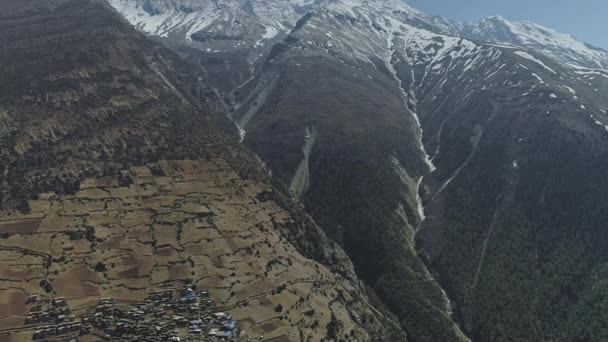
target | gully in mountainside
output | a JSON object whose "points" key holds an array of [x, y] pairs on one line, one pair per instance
{"points": [[410, 103]]}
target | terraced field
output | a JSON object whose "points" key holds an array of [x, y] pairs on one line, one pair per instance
{"points": [[168, 224]]}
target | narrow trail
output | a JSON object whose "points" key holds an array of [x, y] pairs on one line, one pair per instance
{"points": [[241, 130], [455, 174], [475, 139], [222, 99], [484, 247], [152, 65], [506, 196], [266, 293], [506, 199]]}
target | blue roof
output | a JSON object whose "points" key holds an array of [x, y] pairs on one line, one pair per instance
{"points": [[189, 296], [231, 325]]}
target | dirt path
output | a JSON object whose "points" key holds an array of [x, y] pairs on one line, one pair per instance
{"points": [[475, 139], [507, 198]]}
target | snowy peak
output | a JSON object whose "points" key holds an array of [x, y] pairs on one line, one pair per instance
{"points": [[156, 7], [255, 23], [250, 22], [165, 18], [559, 46], [281, 14], [396, 8]]}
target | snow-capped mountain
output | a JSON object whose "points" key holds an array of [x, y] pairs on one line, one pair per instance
{"points": [[253, 23], [280, 14], [559, 46], [249, 23], [406, 133], [162, 18]]}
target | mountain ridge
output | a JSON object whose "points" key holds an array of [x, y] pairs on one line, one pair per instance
{"points": [[280, 17], [372, 79], [562, 47], [116, 183], [462, 175]]}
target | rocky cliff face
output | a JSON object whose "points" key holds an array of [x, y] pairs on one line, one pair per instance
{"points": [[117, 183]]}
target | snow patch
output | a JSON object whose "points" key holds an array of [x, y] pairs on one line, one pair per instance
{"points": [[529, 57], [538, 78], [570, 90], [559, 46], [270, 33], [599, 123]]}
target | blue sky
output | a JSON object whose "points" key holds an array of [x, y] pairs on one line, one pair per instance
{"points": [[585, 19]]}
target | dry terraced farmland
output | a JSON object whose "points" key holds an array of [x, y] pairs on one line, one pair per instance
{"points": [[169, 224]]}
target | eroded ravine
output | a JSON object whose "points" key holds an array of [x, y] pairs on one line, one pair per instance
{"points": [[301, 179], [410, 102]]}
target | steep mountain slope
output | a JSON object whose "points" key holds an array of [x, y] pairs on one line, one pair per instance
{"points": [[195, 20], [491, 96], [226, 38], [516, 137], [332, 83], [502, 134], [115, 184], [398, 274]]}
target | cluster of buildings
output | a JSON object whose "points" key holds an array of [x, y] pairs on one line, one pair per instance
{"points": [[52, 317], [165, 315]]}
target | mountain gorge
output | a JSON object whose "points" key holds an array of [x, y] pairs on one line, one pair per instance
{"points": [[450, 176], [116, 184], [337, 105]]}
